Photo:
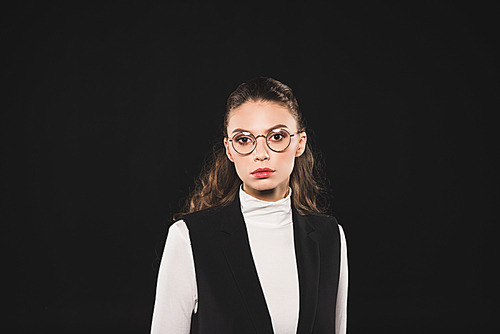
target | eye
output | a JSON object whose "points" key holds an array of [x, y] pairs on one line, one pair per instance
{"points": [[243, 139], [277, 135]]}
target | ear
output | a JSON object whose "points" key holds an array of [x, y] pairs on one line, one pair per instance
{"points": [[302, 143], [228, 151]]}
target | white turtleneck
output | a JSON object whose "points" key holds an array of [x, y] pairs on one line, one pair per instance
{"points": [[270, 233]]}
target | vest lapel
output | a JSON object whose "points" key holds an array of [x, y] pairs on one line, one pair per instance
{"points": [[238, 254], [307, 255]]}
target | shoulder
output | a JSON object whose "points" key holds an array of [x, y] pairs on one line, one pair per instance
{"points": [[205, 222], [327, 232], [178, 230], [322, 221], [202, 215], [325, 227]]}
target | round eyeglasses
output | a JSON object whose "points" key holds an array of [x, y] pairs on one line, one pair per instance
{"points": [[277, 140]]}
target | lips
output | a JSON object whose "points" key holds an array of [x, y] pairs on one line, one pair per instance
{"points": [[262, 173]]}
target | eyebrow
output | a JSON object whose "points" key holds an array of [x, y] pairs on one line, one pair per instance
{"points": [[267, 131]]}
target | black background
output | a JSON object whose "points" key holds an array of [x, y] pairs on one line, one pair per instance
{"points": [[109, 110]]}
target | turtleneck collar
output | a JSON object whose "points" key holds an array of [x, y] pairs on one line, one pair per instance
{"points": [[256, 211]]}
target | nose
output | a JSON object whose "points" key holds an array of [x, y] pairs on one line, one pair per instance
{"points": [[261, 152]]}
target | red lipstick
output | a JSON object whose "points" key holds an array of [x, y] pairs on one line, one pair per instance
{"points": [[262, 173]]}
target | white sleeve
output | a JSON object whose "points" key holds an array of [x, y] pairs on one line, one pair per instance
{"points": [[176, 291], [341, 314]]}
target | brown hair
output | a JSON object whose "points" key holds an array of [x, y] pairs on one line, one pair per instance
{"points": [[218, 181]]}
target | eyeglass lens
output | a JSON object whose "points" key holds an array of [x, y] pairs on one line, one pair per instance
{"points": [[277, 140]]}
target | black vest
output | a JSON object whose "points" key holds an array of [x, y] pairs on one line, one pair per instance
{"points": [[230, 298]]}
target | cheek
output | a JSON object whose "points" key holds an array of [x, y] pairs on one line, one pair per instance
{"points": [[285, 162], [241, 164]]}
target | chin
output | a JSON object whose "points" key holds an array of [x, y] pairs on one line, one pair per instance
{"points": [[263, 188], [264, 185]]}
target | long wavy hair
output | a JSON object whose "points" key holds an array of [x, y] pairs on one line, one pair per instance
{"points": [[218, 181]]}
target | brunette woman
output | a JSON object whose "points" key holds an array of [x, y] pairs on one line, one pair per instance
{"points": [[255, 253]]}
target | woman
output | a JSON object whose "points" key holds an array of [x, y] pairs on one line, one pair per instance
{"points": [[255, 254]]}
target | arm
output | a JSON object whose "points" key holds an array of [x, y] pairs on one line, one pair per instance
{"points": [[176, 292], [341, 316]]}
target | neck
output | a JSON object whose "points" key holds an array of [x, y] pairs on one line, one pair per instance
{"points": [[268, 195]]}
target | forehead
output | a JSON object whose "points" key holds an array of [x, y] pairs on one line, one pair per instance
{"points": [[258, 117]]}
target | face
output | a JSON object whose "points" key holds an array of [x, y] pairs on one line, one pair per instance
{"points": [[259, 118]]}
